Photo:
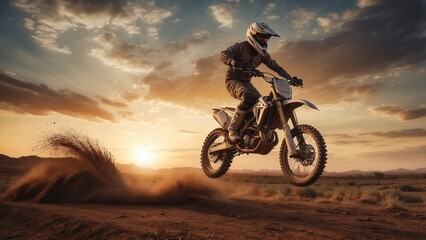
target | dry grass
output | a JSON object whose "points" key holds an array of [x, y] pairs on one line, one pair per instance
{"points": [[387, 193]]}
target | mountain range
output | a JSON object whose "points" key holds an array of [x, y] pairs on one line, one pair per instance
{"points": [[22, 164]]}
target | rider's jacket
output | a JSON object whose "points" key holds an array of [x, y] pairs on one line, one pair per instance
{"points": [[245, 55]]}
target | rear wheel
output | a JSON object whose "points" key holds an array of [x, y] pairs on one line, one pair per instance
{"points": [[215, 164], [306, 168]]}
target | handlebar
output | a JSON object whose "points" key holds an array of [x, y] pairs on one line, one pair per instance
{"points": [[297, 82]]}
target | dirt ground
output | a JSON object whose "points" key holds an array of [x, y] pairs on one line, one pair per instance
{"points": [[88, 198], [202, 218]]}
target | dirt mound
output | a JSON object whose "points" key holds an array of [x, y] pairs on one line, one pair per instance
{"points": [[91, 176]]}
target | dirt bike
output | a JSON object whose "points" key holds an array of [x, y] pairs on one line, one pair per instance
{"points": [[303, 153]]}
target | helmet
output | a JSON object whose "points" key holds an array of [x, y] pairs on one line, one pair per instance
{"points": [[258, 34]]}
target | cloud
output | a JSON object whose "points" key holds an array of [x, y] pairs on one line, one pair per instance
{"points": [[141, 59], [223, 14], [399, 113], [346, 139], [133, 58], [188, 131], [10, 73], [112, 103], [179, 150], [270, 11], [302, 18], [416, 132], [29, 24], [335, 69], [23, 97], [339, 135], [196, 39], [270, 7], [367, 3], [155, 16], [131, 95], [273, 17], [152, 32], [411, 154], [349, 142], [49, 20], [127, 114], [366, 44], [329, 23], [204, 89]]}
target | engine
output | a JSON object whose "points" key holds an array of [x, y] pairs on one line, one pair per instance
{"points": [[250, 140], [259, 142]]}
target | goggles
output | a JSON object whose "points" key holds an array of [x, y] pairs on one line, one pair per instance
{"points": [[263, 38]]}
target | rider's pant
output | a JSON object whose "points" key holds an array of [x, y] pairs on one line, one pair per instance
{"points": [[243, 91]]}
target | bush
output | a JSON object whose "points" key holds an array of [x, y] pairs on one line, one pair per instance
{"points": [[351, 183], [379, 175], [269, 191], [370, 196], [286, 191], [409, 188], [306, 192], [407, 198], [392, 201]]}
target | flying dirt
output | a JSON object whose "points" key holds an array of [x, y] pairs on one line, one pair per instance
{"points": [[91, 176]]}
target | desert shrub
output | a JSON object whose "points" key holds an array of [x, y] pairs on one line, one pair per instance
{"points": [[351, 183], [285, 190], [269, 191], [379, 175], [350, 194], [306, 192], [370, 196], [409, 198], [409, 188], [252, 190], [392, 201], [334, 196]]}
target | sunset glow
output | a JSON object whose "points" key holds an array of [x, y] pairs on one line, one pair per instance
{"points": [[144, 158]]}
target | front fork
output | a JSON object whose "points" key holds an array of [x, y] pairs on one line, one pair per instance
{"points": [[287, 134]]}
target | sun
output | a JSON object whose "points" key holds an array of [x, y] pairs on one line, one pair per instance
{"points": [[144, 157]]}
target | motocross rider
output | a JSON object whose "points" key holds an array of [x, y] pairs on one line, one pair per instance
{"points": [[250, 53]]}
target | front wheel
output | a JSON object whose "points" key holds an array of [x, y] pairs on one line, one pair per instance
{"points": [[308, 165], [215, 164]]}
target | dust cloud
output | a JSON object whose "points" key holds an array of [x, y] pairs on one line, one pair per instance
{"points": [[90, 176]]}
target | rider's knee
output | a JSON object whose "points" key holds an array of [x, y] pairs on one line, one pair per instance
{"points": [[247, 101]]}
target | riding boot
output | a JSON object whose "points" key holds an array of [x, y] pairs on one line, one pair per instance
{"points": [[236, 121]]}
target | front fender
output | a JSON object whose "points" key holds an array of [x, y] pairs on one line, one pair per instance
{"points": [[295, 103]]}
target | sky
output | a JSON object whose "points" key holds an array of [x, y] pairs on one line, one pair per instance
{"points": [[141, 77]]}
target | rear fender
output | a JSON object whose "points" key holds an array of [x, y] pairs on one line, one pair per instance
{"points": [[223, 116]]}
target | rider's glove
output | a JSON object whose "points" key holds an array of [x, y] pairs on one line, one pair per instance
{"points": [[297, 81], [232, 63], [236, 64]]}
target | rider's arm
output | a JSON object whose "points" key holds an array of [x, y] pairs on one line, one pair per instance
{"points": [[229, 54], [270, 63]]}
